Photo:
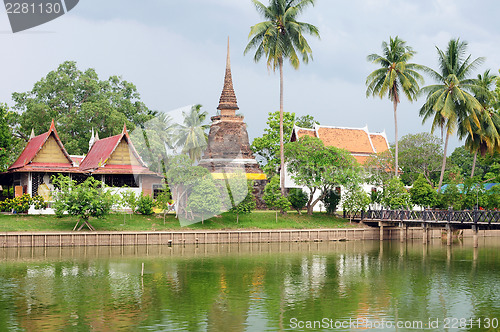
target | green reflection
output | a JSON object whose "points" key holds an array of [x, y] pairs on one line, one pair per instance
{"points": [[245, 287]]}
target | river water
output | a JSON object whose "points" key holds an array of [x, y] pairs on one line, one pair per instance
{"points": [[338, 286]]}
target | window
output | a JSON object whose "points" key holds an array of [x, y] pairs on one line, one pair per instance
{"points": [[121, 180]]}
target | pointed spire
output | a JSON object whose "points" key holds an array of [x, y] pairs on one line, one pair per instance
{"points": [[96, 137], [124, 128], [227, 102], [52, 125], [32, 133]]}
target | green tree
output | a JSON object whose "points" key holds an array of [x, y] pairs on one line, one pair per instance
{"points": [[267, 147], [422, 193], [204, 200], [163, 201], [306, 121], [420, 154], [278, 38], [394, 77], [128, 200], [191, 136], [79, 101], [145, 205], [379, 168], [85, 200], [319, 168], [451, 101], [298, 199], [241, 205], [273, 197], [484, 136], [331, 200], [395, 195], [6, 139], [355, 200]]}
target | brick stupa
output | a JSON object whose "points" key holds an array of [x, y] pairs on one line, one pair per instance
{"points": [[228, 149]]}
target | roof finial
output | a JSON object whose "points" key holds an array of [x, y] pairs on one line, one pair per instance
{"points": [[92, 139], [227, 102], [124, 128], [32, 133], [52, 125]]}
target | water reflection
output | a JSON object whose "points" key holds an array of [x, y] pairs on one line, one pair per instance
{"points": [[244, 287]]}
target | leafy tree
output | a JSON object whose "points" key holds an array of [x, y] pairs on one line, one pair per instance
{"points": [[319, 168], [331, 200], [79, 101], [355, 200], [245, 205], [306, 121], [163, 202], [182, 178], [379, 168], [485, 135], [450, 101], [298, 199], [129, 200], [6, 139], [273, 197], [278, 38], [420, 154], [85, 200], [395, 195], [422, 193], [191, 136], [394, 77], [204, 201], [267, 147]]}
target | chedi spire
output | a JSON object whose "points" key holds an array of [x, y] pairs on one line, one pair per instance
{"points": [[227, 102]]}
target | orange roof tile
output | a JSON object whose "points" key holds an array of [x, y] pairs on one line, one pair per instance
{"points": [[353, 140], [379, 142], [361, 159]]}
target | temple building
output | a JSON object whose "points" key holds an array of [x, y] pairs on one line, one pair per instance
{"points": [[113, 160], [228, 149], [358, 141]]}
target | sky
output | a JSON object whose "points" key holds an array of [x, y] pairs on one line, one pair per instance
{"points": [[175, 53]]}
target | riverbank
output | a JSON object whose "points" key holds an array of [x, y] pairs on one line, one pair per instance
{"points": [[137, 223]]}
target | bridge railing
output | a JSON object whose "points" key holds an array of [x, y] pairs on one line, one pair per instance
{"points": [[465, 216]]}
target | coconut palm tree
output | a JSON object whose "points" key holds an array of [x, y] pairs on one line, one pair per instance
{"points": [[451, 102], [485, 137], [278, 38], [395, 77], [191, 136]]}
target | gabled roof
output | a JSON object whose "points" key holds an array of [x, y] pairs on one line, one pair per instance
{"points": [[102, 150], [358, 141], [34, 146], [380, 142]]}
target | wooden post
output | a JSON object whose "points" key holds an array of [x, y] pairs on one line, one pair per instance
{"points": [[381, 226], [475, 228], [425, 237], [402, 235], [449, 235]]}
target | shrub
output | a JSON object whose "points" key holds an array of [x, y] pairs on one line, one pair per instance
{"points": [[145, 205], [298, 198], [331, 200]]}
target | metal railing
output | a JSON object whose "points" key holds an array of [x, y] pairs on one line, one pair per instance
{"points": [[465, 216]]}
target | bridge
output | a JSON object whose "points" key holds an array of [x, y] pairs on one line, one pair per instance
{"points": [[445, 219]]}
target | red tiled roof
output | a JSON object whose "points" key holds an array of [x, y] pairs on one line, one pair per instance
{"points": [[102, 149], [100, 152], [379, 142], [33, 147], [353, 140]]}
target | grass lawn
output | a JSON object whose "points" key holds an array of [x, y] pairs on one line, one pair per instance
{"points": [[122, 222]]}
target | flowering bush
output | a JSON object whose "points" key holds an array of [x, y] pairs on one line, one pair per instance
{"points": [[21, 204]]}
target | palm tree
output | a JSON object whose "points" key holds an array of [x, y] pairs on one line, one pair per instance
{"points": [[395, 76], [281, 37], [485, 137], [450, 102], [191, 136]]}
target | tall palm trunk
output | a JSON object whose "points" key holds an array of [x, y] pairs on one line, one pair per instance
{"points": [[443, 165], [282, 152], [473, 165], [396, 154]]}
